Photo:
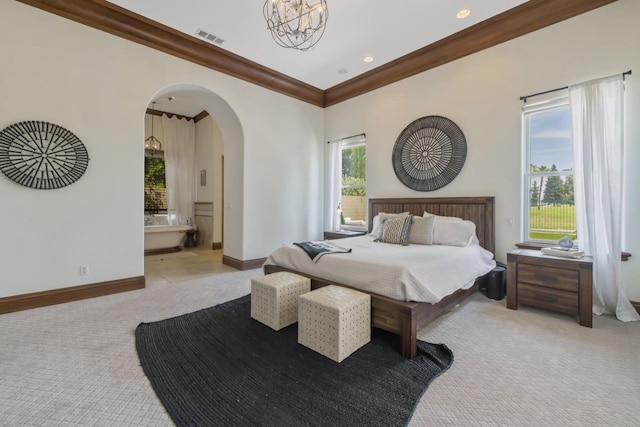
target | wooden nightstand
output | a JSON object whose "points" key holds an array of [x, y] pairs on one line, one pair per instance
{"points": [[333, 235], [553, 283]]}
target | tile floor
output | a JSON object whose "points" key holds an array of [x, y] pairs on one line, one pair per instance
{"points": [[190, 263]]}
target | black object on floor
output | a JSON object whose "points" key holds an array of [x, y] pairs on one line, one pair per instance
{"points": [[218, 366], [496, 282], [191, 241]]}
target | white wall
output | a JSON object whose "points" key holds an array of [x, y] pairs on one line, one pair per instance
{"points": [[98, 86], [481, 94], [205, 158], [209, 153], [218, 182]]}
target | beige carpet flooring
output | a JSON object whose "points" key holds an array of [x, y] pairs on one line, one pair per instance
{"points": [[76, 364]]}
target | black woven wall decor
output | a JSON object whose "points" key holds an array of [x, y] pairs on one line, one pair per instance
{"points": [[429, 153], [42, 155]]}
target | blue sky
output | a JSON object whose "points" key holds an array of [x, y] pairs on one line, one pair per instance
{"points": [[551, 138]]}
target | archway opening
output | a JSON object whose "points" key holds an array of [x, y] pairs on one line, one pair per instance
{"points": [[218, 137]]}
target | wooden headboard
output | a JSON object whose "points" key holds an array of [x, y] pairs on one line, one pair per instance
{"points": [[476, 209]]}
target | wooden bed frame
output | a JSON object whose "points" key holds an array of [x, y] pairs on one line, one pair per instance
{"points": [[406, 318]]}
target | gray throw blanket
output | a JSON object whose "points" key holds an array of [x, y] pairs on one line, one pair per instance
{"points": [[316, 249]]}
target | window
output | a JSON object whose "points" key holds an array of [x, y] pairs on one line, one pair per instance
{"points": [[353, 184], [155, 191], [549, 211]]}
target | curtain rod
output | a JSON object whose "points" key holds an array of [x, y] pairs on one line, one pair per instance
{"points": [[524, 98], [170, 115], [347, 137]]}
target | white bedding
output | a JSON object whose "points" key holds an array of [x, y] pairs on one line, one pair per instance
{"points": [[421, 273]]}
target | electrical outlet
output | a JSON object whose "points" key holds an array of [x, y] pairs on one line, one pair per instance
{"points": [[510, 221], [84, 270]]}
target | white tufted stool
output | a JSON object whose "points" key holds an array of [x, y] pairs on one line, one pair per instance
{"points": [[274, 298], [334, 321]]}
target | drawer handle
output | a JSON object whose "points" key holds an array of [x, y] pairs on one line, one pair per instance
{"points": [[546, 278], [546, 298]]}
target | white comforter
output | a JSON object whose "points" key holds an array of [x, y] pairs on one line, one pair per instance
{"points": [[419, 273]]}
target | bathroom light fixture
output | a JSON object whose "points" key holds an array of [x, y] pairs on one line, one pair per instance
{"points": [[152, 144], [294, 24], [368, 59]]}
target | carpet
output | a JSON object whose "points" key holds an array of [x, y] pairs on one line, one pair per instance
{"points": [[218, 366]]}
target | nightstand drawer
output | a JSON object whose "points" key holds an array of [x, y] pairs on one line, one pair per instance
{"points": [[550, 277], [550, 299]]}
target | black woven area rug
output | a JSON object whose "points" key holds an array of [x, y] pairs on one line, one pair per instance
{"points": [[218, 366]]}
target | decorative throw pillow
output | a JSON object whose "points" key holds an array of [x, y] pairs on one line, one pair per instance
{"points": [[376, 227], [396, 230], [421, 232], [453, 232]]}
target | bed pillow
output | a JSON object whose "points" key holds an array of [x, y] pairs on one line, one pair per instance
{"points": [[453, 232], [396, 230], [376, 227], [421, 232]]}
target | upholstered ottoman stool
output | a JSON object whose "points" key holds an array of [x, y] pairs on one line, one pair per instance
{"points": [[334, 321], [274, 298]]}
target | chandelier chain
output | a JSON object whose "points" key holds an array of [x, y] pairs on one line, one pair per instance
{"points": [[152, 144]]}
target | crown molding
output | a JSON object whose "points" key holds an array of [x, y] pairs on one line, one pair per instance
{"points": [[528, 17], [113, 19]]}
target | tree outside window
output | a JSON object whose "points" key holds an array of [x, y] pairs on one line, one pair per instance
{"points": [[549, 201], [354, 185], [155, 192]]}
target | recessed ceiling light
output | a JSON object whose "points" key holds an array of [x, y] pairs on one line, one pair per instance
{"points": [[368, 59], [463, 13], [343, 71]]}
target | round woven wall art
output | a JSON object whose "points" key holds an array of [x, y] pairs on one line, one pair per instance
{"points": [[429, 153], [42, 155]]}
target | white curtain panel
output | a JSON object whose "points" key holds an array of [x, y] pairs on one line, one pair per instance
{"points": [[335, 181], [597, 109], [179, 159]]}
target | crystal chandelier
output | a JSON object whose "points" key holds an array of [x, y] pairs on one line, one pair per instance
{"points": [[295, 24], [152, 144]]}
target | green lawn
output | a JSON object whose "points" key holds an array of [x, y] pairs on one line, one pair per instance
{"points": [[552, 222]]}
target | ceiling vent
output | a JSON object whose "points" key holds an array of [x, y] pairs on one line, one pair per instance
{"points": [[205, 35]]}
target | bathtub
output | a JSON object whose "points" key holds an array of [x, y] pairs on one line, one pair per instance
{"points": [[164, 238]]}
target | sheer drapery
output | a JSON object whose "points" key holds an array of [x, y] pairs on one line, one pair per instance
{"points": [[179, 159], [597, 109], [335, 178]]}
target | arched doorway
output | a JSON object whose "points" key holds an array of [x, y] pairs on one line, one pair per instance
{"points": [[228, 201]]}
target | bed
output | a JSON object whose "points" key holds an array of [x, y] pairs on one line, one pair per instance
{"points": [[392, 313]]}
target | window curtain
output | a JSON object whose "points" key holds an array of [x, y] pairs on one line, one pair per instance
{"points": [[597, 109], [335, 182], [179, 159]]}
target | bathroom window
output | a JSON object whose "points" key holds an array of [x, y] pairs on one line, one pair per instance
{"points": [[155, 189]]}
